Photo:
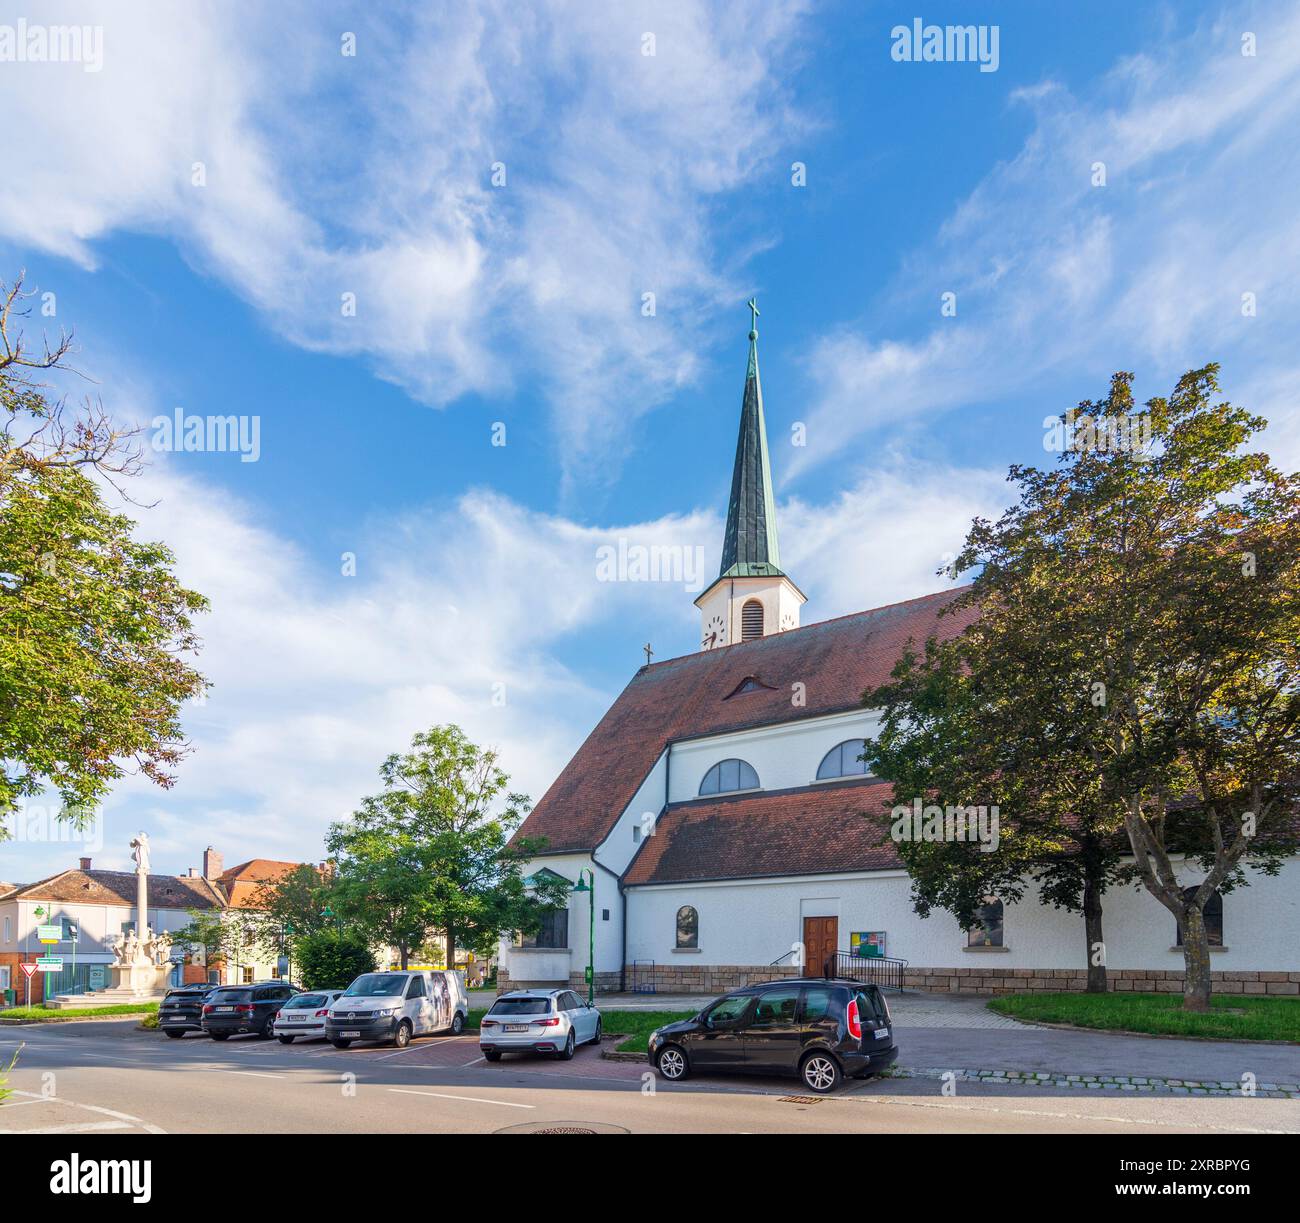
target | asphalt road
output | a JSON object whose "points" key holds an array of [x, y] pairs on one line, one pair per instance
{"points": [[106, 1075]]}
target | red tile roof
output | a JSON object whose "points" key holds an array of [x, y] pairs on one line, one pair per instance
{"points": [[243, 883], [119, 888], [810, 831], [835, 661]]}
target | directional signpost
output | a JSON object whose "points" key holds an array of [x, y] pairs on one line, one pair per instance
{"points": [[49, 934]]}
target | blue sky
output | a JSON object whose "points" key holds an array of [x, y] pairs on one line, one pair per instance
{"points": [[475, 597]]}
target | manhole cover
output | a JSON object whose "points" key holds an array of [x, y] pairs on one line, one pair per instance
{"points": [[564, 1127]]}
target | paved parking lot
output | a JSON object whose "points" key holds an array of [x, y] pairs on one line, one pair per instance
{"points": [[958, 1072]]}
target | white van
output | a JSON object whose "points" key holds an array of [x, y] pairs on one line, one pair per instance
{"points": [[394, 1006]]}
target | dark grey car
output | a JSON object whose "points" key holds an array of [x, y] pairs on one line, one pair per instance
{"points": [[821, 1029]]}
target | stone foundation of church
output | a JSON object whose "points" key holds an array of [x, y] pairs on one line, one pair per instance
{"points": [[718, 978]]}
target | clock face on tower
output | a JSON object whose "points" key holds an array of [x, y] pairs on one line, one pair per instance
{"points": [[787, 622], [715, 633]]}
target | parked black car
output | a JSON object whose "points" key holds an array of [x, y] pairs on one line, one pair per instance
{"points": [[819, 1028], [232, 1009], [181, 1009]]}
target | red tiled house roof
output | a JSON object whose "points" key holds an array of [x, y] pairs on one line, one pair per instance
{"points": [[243, 883], [819, 830], [119, 888], [687, 697]]}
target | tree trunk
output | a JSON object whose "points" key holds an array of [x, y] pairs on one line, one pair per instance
{"points": [[1097, 982], [404, 954], [1196, 960], [451, 947]]}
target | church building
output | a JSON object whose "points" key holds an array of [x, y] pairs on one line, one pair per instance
{"points": [[723, 810]]}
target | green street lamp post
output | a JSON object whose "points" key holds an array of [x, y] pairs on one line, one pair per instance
{"points": [[589, 887]]}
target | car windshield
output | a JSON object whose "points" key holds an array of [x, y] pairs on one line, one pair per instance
{"points": [[223, 997], [521, 1006], [377, 985], [305, 1002]]}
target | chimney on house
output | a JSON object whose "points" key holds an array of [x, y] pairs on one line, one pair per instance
{"points": [[212, 864], [194, 872], [85, 864]]}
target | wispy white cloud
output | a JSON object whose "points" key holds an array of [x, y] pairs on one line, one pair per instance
{"points": [[325, 174], [1055, 275]]}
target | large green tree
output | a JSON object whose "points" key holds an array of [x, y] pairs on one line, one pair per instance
{"points": [[1139, 623], [94, 625], [946, 739], [431, 852]]}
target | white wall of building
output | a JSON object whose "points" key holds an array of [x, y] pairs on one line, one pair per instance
{"points": [[96, 924], [784, 756], [756, 921]]}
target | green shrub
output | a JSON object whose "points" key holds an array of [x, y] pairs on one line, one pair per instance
{"points": [[332, 960]]}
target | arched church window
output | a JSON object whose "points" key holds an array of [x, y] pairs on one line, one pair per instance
{"points": [[688, 927], [1213, 914], [987, 930], [729, 775], [751, 620], [843, 760]]}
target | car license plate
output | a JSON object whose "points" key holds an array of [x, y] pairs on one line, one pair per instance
{"points": [[225, 1008], [516, 1027], [297, 1018], [346, 1034]]}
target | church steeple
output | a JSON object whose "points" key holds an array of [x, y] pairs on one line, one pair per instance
{"points": [[749, 546], [752, 596]]}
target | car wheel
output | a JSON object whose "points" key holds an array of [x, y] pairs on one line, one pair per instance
{"points": [[492, 1055], [268, 1029], [595, 1040], [340, 1044], [569, 1046], [457, 1024], [286, 1040], [175, 1035], [219, 1035], [402, 1037], [820, 1072], [672, 1064]]}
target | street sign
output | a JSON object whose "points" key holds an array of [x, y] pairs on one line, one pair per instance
{"points": [[49, 934], [28, 970], [49, 963]]}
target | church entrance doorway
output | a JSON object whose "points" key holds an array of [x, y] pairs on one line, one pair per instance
{"points": [[820, 942]]}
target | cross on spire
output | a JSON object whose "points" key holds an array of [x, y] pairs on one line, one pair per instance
{"points": [[648, 653], [753, 317]]}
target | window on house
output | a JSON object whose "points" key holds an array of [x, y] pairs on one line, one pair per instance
{"points": [[6, 974], [729, 775], [246, 974], [9, 934], [751, 620], [843, 760], [688, 927], [1213, 912], [554, 932], [987, 930]]}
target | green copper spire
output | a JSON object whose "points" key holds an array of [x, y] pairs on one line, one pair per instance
{"points": [[749, 547]]}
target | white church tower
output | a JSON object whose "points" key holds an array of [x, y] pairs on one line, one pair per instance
{"points": [[752, 596]]}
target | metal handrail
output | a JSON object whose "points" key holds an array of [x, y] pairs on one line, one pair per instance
{"points": [[886, 971]]}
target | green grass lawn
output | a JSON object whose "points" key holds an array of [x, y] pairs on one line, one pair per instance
{"points": [[636, 1025], [40, 1013], [1232, 1016]]}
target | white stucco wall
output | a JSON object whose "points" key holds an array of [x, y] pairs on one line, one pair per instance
{"points": [[784, 756], [96, 923], [755, 922]]}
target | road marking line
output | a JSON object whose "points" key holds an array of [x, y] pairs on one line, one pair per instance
{"points": [[94, 1108], [84, 1127], [471, 1099], [253, 1074], [24, 1103]]}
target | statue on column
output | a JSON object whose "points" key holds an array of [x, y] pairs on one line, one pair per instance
{"points": [[140, 856]]}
